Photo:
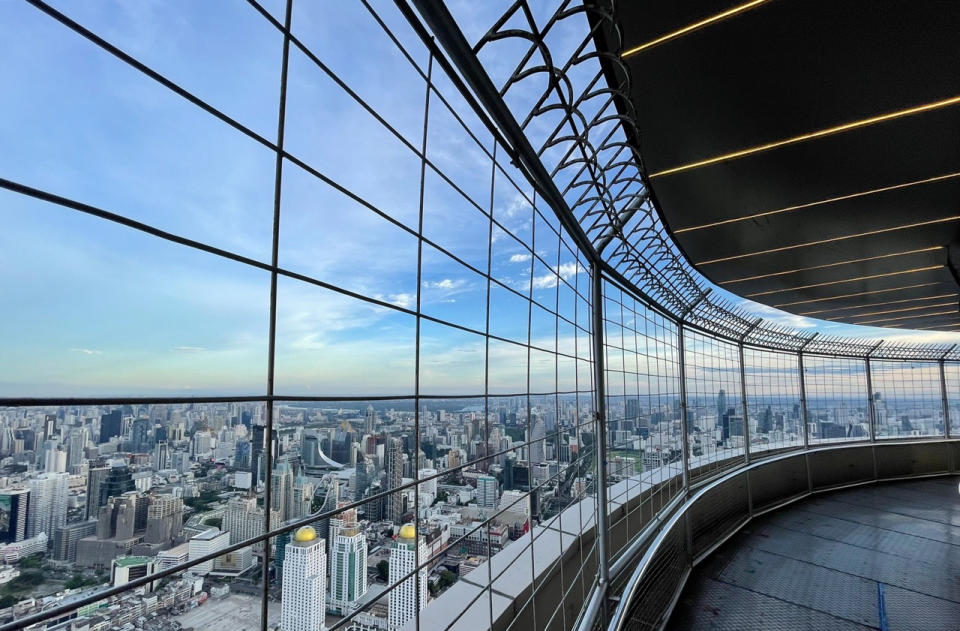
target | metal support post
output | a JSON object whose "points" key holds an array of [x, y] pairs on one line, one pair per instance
{"points": [[943, 399], [743, 402], [596, 281], [685, 441], [803, 401], [871, 415]]}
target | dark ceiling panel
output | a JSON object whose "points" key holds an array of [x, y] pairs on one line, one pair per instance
{"points": [[781, 70]]}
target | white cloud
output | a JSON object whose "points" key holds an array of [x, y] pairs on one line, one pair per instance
{"points": [[446, 284], [404, 301], [188, 349], [520, 258], [86, 351], [565, 271]]}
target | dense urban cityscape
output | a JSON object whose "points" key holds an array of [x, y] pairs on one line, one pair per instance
{"points": [[98, 495]]}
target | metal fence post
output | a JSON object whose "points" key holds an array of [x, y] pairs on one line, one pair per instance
{"points": [[743, 402], [596, 281], [685, 440], [871, 416], [943, 392]]}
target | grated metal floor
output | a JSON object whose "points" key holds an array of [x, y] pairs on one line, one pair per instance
{"points": [[875, 557]]}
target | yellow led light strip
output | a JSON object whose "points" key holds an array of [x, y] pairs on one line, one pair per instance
{"points": [[818, 203], [807, 269], [693, 27], [910, 317], [859, 293], [915, 270], [872, 313], [830, 240], [875, 304], [817, 134]]}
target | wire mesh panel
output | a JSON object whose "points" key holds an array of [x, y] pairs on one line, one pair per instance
{"points": [[715, 421], [906, 399], [772, 382], [837, 408], [643, 413]]}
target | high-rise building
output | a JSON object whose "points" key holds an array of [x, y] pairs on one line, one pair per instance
{"points": [[164, 519], [303, 601], [537, 446], [243, 519], [348, 563], [281, 491], [65, 539], [118, 481], [130, 568], [394, 468], [48, 503], [140, 435], [96, 476], [486, 491], [14, 507], [411, 595], [721, 404], [111, 424], [370, 421], [161, 456], [55, 461], [207, 542], [76, 443]]}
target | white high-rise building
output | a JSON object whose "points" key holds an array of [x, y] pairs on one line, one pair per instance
{"points": [[303, 600], [207, 542], [405, 600], [486, 491], [244, 520], [348, 565], [48, 503], [55, 461]]}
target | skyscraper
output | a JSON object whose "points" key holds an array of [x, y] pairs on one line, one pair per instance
{"points": [[486, 491], [721, 404], [303, 600], [14, 507], [411, 595], [48, 503], [96, 476], [537, 443], [370, 421], [75, 446], [111, 424], [281, 492], [140, 435], [394, 468], [161, 456], [348, 564], [244, 520]]}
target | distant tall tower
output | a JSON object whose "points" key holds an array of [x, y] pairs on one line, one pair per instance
{"points": [[405, 600], [281, 493], [111, 424], [96, 476], [537, 443], [48, 503], [161, 456], [370, 425], [486, 491], [303, 601], [348, 564], [75, 446], [394, 467], [721, 404]]}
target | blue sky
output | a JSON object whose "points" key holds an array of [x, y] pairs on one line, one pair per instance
{"points": [[95, 308]]}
